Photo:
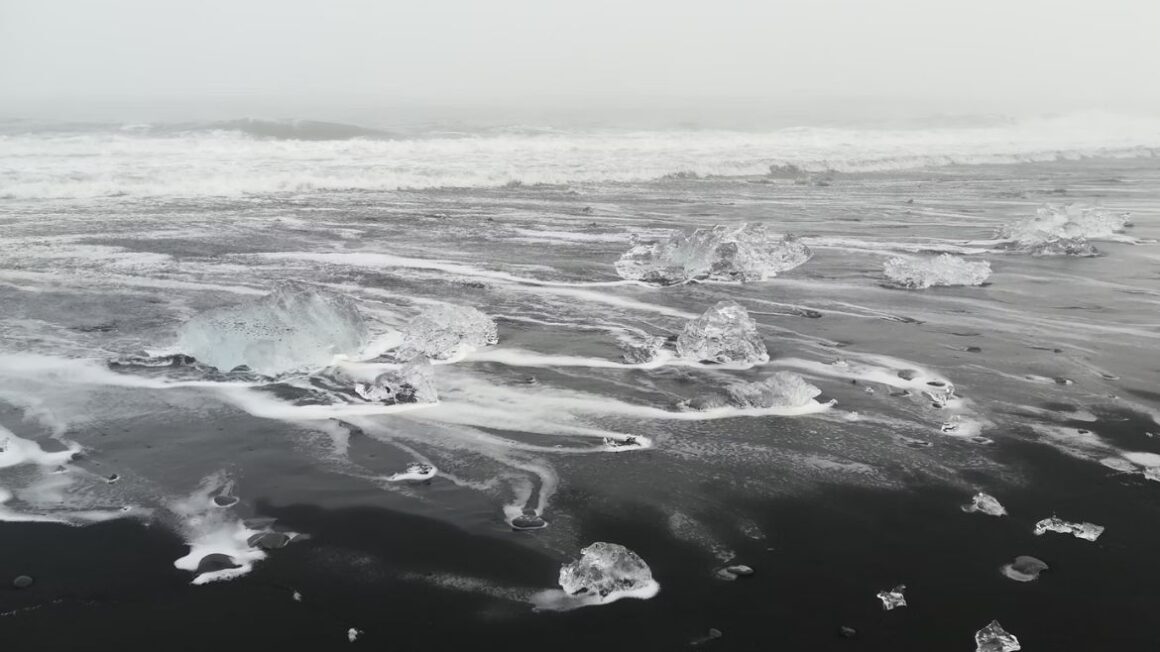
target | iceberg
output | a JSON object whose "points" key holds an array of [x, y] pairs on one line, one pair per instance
{"points": [[944, 270], [986, 504], [296, 327], [1087, 531], [725, 333], [605, 570], [723, 253], [993, 638], [413, 382], [446, 332], [1063, 231], [782, 389], [893, 598]]}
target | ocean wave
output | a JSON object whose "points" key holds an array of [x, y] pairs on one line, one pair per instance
{"points": [[237, 158]]}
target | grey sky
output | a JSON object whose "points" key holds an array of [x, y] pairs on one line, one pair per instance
{"points": [[962, 54]]}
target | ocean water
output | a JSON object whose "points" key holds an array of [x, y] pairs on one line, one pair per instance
{"points": [[113, 237]]}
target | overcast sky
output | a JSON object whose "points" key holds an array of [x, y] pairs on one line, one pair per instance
{"points": [[1011, 55]]}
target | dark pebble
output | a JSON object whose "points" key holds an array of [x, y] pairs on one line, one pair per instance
{"points": [[225, 501], [908, 374], [215, 562], [22, 582], [528, 522], [974, 349]]}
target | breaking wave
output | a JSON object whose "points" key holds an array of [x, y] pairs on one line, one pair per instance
{"points": [[249, 156]]}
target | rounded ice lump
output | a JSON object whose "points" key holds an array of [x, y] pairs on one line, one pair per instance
{"points": [[444, 331], [725, 333], [723, 253], [944, 270], [604, 569], [295, 327]]}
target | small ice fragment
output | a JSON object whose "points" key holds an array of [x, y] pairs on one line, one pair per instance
{"points": [[713, 635], [416, 472], [986, 504], [625, 442], [445, 332], [604, 570], [723, 253], [730, 573], [297, 596], [993, 638], [413, 382], [893, 598], [1087, 531], [1152, 473], [295, 327], [352, 634], [944, 270], [1025, 568], [782, 389], [22, 581], [641, 348], [725, 333]]}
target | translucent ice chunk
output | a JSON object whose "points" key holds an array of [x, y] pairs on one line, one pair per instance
{"points": [[1056, 231], [781, 389], [295, 327], [920, 273], [413, 382], [605, 569], [725, 333], [1088, 531], [993, 638], [893, 598], [445, 332], [723, 253], [985, 503]]}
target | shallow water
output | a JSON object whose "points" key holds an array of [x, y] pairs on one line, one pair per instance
{"points": [[1050, 361]]}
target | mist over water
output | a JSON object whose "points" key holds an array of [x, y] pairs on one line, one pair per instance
{"points": [[562, 325]]}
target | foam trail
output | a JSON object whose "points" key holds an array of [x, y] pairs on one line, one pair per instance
{"points": [[212, 529], [575, 290], [380, 261], [519, 358]]}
